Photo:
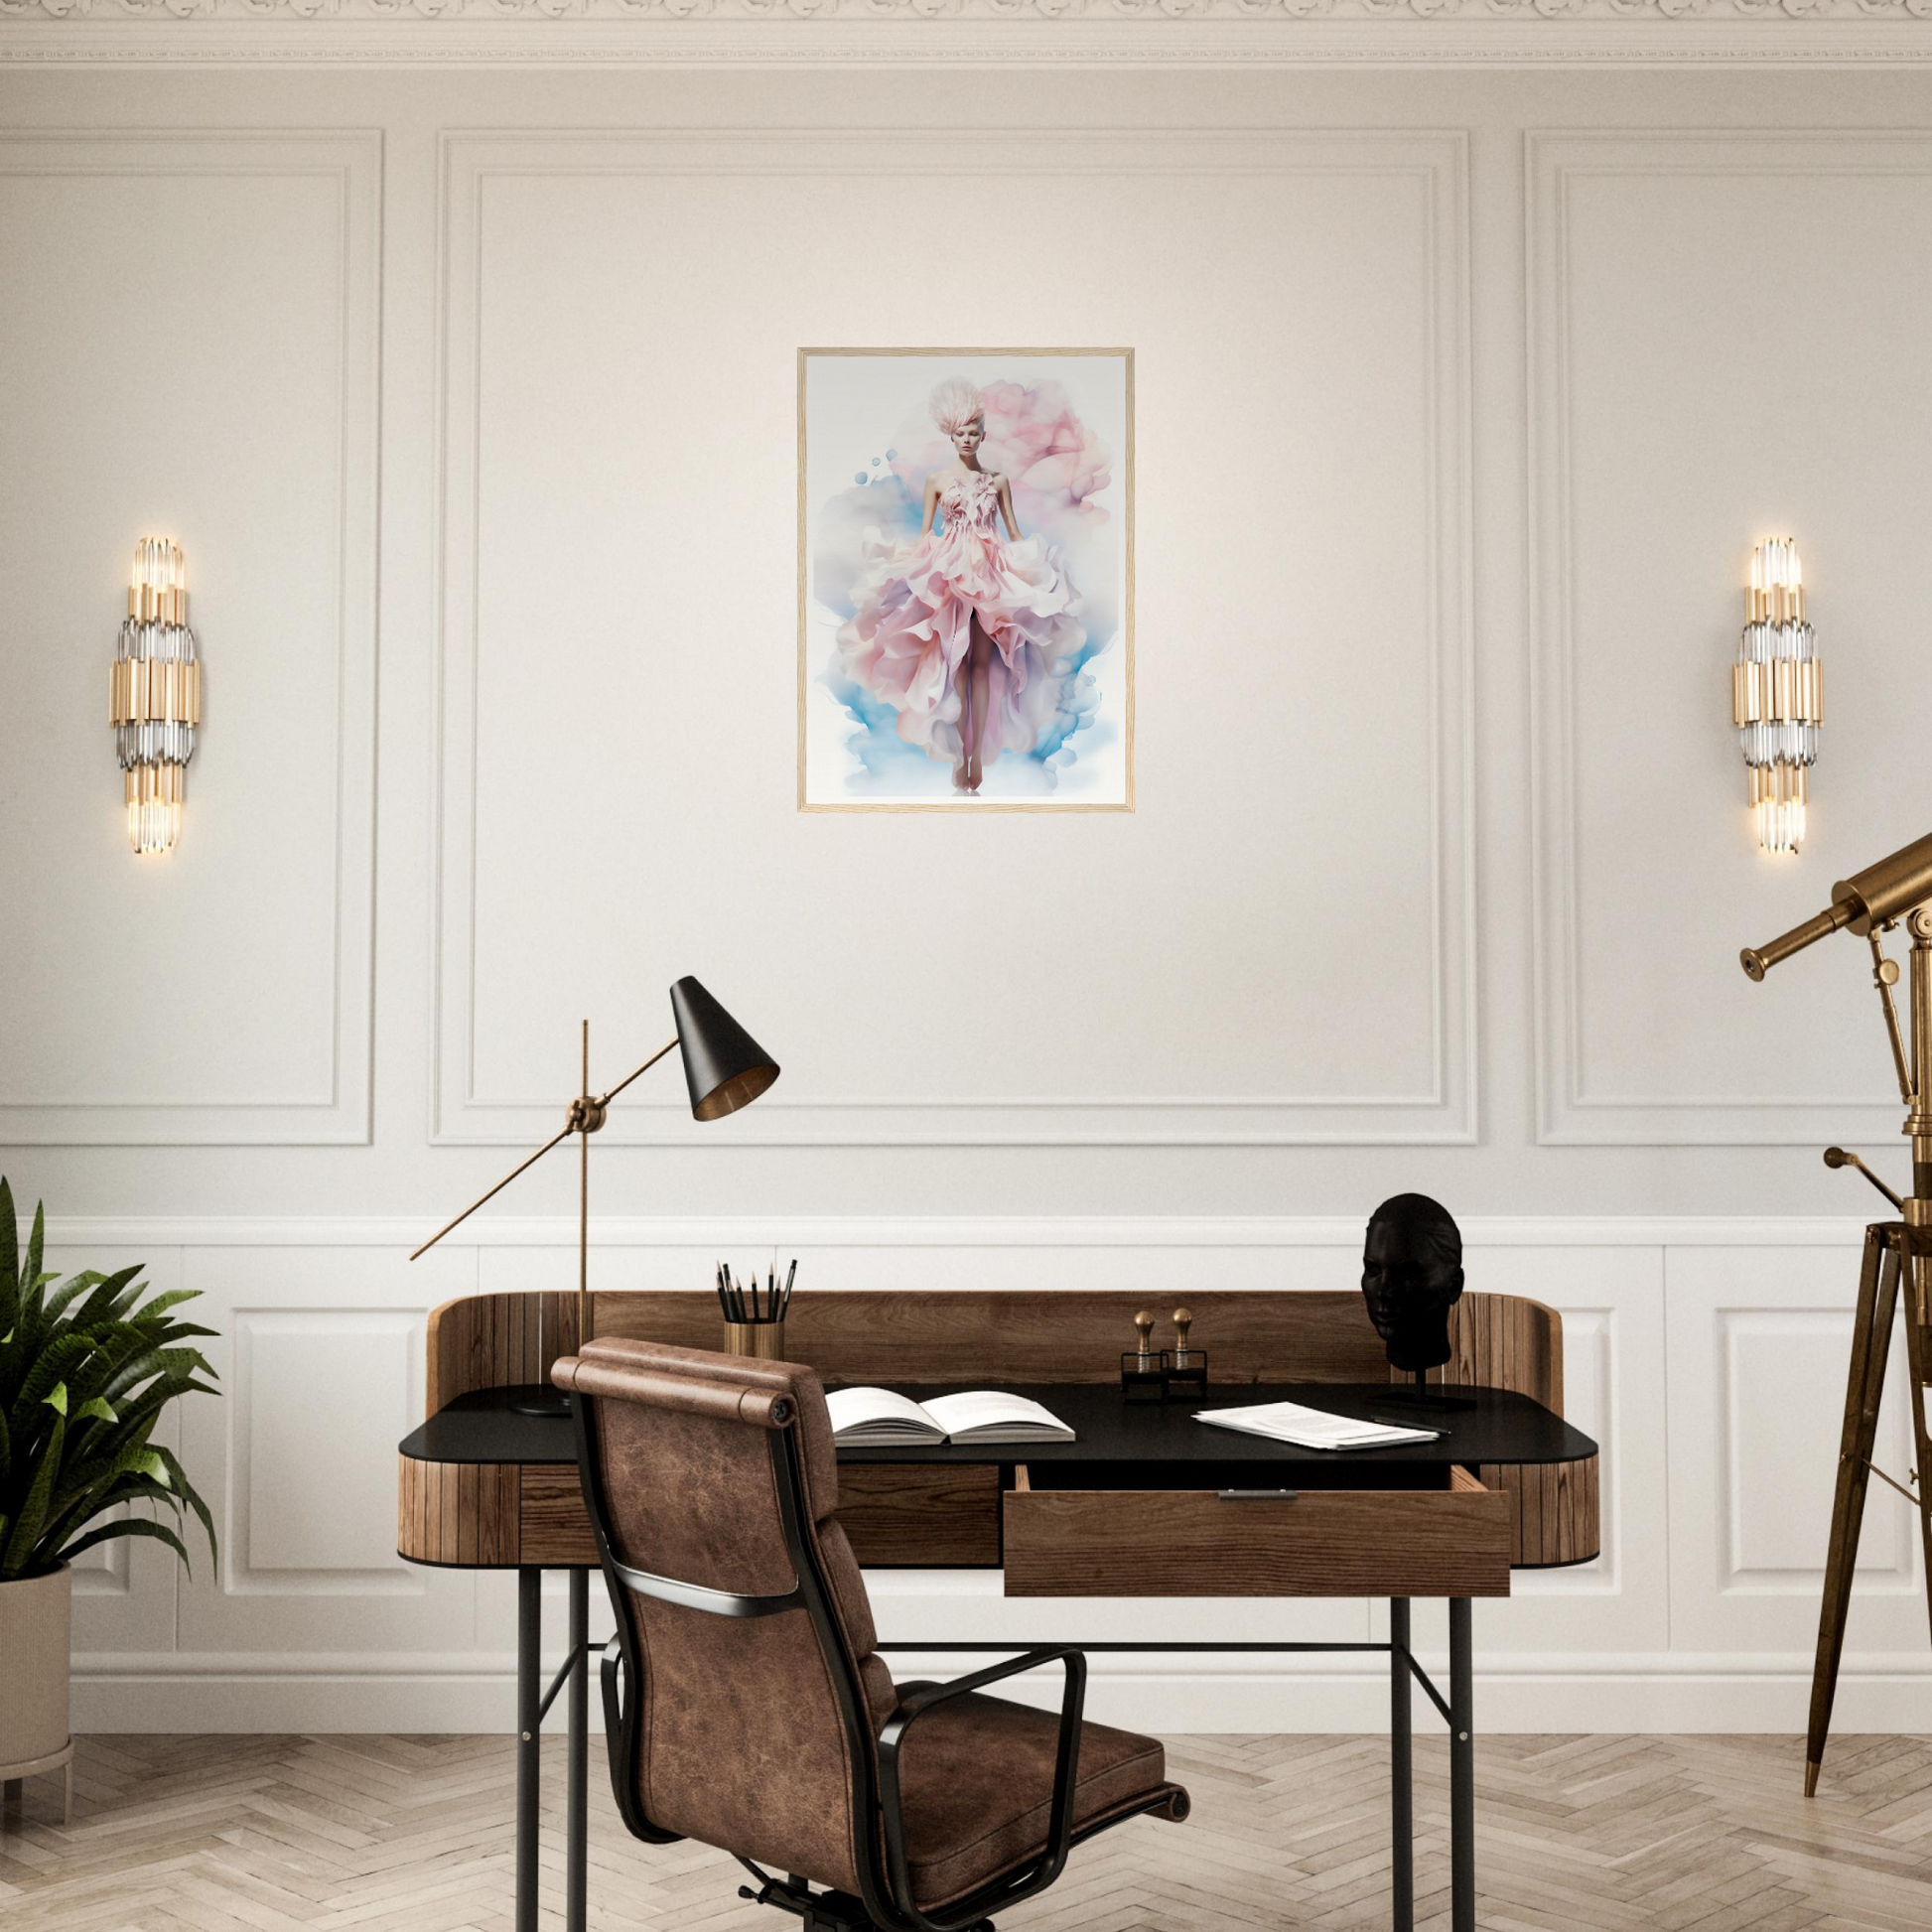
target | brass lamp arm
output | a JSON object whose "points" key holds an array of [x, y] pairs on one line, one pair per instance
{"points": [[575, 1124], [606, 1101], [562, 1134]]}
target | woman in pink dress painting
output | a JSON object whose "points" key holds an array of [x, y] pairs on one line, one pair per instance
{"points": [[969, 634]]}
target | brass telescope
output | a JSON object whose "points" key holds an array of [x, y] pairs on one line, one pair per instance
{"points": [[1875, 896], [1897, 1254]]}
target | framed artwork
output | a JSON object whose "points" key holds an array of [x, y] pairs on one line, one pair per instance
{"points": [[966, 580]]}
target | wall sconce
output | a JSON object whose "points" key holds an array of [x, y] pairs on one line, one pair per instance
{"points": [[155, 696], [1777, 694]]}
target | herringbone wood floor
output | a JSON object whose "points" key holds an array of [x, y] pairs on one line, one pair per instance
{"points": [[1662, 1834]]}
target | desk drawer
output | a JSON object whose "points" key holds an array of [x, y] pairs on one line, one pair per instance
{"points": [[1449, 1539], [922, 1513]]}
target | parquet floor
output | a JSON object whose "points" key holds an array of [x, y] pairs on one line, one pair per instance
{"points": [[1609, 1833]]}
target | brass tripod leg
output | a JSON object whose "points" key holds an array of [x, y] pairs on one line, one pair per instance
{"points": [[1918, 1357], [1870, 1345]]}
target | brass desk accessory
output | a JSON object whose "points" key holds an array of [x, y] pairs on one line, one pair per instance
{"points": [[1140, 1367], [725, 1070], [1183, 1367], [1869, 903]]}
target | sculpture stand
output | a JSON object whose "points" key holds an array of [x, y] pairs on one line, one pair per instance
{"points": [[1425, 1401]]}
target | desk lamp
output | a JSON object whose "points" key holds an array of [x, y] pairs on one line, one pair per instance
{"points": [[725, 1070]]}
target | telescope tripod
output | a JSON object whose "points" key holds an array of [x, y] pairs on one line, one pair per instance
{"points": [[1897, 1255], [1894, 1253]]}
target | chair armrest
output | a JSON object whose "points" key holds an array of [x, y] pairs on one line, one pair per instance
{"points": [[1066, 1765]]}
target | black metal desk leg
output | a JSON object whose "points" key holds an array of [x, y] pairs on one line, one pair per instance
{"points": [[1402, 1810], [579, 1744], [529, 1738], [1462, 1771]]}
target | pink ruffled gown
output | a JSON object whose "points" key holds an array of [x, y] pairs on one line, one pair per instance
{"points": [[911, 626]]}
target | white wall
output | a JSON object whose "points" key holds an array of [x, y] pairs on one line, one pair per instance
{"points": [[1461, 398]]}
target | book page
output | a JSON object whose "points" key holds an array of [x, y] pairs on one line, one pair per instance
{"points": [[976, 1409], [852, 1409]]}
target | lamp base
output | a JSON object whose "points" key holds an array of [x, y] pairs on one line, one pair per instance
{"points": [[539, 1398]]}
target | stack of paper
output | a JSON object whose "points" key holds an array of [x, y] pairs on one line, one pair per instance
{"points": [[1290, 1422]]}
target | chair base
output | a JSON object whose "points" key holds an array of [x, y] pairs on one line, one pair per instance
{"points": [[821, 1912]]}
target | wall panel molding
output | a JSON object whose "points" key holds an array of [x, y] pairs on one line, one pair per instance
{"points": [[1759, 1338], [314, 1389], [1435, 162], [350, 160], [1754, 1497], [155, 1234], [1568, 1112]]}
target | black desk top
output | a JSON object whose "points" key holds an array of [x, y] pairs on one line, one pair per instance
{"points": [[1499, 1427]]}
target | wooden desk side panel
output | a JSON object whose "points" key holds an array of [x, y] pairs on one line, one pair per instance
{"points": [[1508, 1341], [1504, 1341], [495, 1342], [466, 1514], [1553, 1509]]}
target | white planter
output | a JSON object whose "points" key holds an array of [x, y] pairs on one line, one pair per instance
{"points": [[35, 1617]]}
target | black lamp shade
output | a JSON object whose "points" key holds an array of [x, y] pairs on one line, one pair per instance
{"points": [[724, 1067]]}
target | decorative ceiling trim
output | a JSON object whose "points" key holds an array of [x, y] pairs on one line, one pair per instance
{"points": [[1177, 12], [968, 33]]}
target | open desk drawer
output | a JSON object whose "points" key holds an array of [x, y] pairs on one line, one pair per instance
{"points": [[1442, 1534]]}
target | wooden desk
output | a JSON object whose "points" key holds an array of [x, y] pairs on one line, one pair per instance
{"points": [[1131, 1508]]}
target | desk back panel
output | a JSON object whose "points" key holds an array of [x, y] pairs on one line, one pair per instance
{"points": [[1500, 1341]]}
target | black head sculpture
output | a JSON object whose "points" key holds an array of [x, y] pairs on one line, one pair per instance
{"points": [[1411, 1276]]}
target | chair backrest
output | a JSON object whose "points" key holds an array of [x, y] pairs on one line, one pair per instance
{"points": [[711, 1480]]}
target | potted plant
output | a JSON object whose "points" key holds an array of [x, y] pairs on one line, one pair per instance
{"points": [[86, 1370]]}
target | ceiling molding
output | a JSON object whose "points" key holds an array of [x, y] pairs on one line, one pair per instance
{"points": [[967, 33], [1167, 16]]}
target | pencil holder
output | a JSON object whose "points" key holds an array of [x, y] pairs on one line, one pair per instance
{"points": [[764, 1340]]}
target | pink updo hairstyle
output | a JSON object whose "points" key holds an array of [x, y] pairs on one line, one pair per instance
{"points": [[956, 403]]}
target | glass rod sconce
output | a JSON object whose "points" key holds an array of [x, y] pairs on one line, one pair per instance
{"points": [[155, 696], [1777, 694]]}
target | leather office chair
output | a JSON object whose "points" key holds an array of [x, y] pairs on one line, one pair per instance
{"points": [[745, 1705]]}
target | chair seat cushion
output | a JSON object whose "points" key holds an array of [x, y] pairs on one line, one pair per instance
{"points": [[976, 1786]]}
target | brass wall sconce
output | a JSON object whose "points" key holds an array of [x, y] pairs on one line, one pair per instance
{"points": [[1777, 694], [155, 695]]}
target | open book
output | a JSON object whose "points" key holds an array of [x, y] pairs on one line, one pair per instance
{"points": [[1289, 1422], [879, 1419]]}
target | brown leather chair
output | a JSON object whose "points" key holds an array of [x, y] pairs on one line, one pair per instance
{"points": [[744, 1703]]}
